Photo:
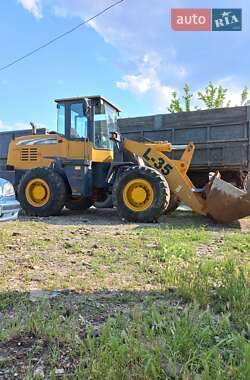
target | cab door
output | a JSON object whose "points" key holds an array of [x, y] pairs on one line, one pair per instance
{"points": [[77, 130]]}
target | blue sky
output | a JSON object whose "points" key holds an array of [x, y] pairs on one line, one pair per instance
{"points": [[129, 55]]}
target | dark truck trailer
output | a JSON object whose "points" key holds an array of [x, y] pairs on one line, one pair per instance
{"points": [[221, 137]]}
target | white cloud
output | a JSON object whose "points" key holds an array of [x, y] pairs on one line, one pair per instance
{"points": [[136, 83], [148, 82], [13, 127], [33, 6], [149, 62], [141, 85], [132, 27], [234, 87], [149, 57]]}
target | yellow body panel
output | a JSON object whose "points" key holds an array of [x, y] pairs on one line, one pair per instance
{"points": [[101, 155], [24, 155]]}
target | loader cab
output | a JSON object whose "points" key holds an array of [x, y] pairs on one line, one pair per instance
{"points": [[90, 119]]}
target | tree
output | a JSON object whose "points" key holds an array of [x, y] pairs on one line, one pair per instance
{"points": [[210, 97], [176, 103], [245, 101], [187, 97], [213, 97]]}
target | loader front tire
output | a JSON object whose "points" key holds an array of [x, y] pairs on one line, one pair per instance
{"points": [[141, 194], [42, 192]]}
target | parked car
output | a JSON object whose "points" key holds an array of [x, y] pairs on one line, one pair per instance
{"points": [[9, 206]]}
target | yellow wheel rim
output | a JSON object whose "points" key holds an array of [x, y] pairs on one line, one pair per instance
{"points": [[138, 195], [37, 192]]}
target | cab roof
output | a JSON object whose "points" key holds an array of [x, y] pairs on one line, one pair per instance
{"points": [[93, 97]]}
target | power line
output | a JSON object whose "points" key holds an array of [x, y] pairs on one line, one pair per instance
{"points": [[60, 36]]}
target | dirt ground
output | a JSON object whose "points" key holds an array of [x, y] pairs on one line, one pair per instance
{"points": [[60, 275], [108, 219]]}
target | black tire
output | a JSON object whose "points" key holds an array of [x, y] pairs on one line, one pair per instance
{"points": [[78, 203], [173, 204], [161, 194], [57, 192]]}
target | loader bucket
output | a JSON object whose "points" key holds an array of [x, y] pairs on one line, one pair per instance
{"points": [[225, 203]]}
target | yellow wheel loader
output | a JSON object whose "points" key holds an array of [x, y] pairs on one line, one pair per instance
{"points": [[87, 161]]}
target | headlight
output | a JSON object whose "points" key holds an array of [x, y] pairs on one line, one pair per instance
{"points": [[7, 190]]}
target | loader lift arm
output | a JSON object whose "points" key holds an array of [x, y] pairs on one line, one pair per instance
{"points": [[218, 199], [175, 171]]}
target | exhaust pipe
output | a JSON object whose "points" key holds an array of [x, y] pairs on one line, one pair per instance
{"points": [[34, 127]]}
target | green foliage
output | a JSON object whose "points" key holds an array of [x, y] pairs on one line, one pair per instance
{"points": [[211, 97], [166, 343], [245, 101], [187, 98], [176, 102], [175, 105]]}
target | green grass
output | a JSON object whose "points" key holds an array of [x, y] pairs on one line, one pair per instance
{"points": [[168, 343], [141, 303]]}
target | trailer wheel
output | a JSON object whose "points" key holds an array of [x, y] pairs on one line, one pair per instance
{"points": [[78, 203], [141, 195], [173, 204], [42, 192]]}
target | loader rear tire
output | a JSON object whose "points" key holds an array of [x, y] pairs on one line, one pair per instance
{"points": [[42, 192], [141, 194], [78, 203]]}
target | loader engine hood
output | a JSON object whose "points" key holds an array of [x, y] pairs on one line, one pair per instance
{"points": [[38, 140], [28, 152]]}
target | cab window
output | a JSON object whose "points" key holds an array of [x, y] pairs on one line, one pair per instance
{"points": [[105, 121], [78, 122], [61, 119]]}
